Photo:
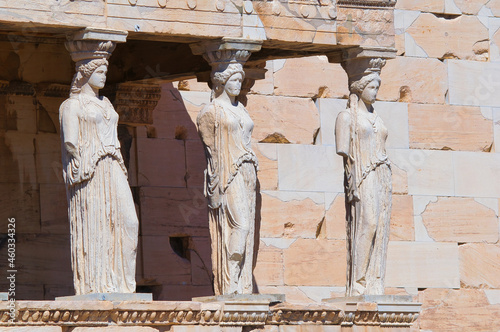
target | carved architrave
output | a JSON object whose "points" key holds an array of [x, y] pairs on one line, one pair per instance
{"points": [[106, 313]]}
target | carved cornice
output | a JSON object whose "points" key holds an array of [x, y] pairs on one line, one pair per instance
{"points": [[285, 314], [105, 313], [109, 317], [396, 319]]}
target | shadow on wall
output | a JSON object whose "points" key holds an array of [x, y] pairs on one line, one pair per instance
{"points": [[166, 165], [33, 193]]}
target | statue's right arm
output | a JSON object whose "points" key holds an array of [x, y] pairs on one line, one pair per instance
{"points": [[70, 125], [206, 126], [343, 133]]}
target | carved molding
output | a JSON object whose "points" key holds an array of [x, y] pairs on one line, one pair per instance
{"points": [[107, 317], [16, 88], [367, 3], [294, 316], [29, 89], [57, 90], [332, 316], [396, 319], [135, 102], [104, 313]]}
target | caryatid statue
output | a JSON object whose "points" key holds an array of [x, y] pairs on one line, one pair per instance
{"points": [[360, 138], [103, 220], [226, 128]]}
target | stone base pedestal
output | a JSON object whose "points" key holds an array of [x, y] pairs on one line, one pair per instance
{"points": [[113, 297], [243, 309], [218, 316], [271, 298], [372, 299], [382, 310]]}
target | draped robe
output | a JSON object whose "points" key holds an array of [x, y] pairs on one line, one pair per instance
{"points": [[230, 186], [101, 210]]}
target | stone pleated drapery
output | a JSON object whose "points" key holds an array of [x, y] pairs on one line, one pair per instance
{"points": [[226, 128], [103, 220], [360, 139]]}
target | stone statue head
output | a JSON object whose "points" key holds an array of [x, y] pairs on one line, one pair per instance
{"points": [[359, 86], [365, 86], [370, 74], [84, 71], [88, 56], [220, 78]]}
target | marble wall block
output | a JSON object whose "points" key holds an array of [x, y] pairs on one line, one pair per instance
{"points": [[269, 266], [476, 174], [297, 119], [399, 180], [18, 162], [43, 259], [478, 265], [31, 329], [173, 270], [496, 129], [418, 80], [422, 265], [267, 155], [305, 263], [434, 6], [290, 217], [22, 202], [176, 112], [48, 158], [455, 310], [53, 209], [309, 168], [334, 225], [201, 263], [318, 78], [473, 7], [171, 211], [473, 83], [458, 219], [266, 85], [195, 163], [438, 37], [152, 166], [402, 227], [429, 172], [445, 127], [328, 108]]}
